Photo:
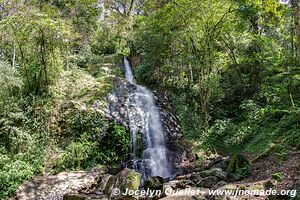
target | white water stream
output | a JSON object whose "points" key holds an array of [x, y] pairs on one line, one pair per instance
{"points": [[144, 116]]}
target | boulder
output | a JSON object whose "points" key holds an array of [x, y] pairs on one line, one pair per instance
{"points": [[154, 183], [125, 179], [177, 185], [208, 182], [56, 186], [103, 182], [183, 177], [216, 162], [217, 172], [184, 184], [220, 184]]}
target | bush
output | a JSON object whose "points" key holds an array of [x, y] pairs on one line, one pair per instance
{"points": [[14, 171], [90, 122], [79, 154], [116, 143], [85, 152], [9, 81], [258, 127], [22, 143]]}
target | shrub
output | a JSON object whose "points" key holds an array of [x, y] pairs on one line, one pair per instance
{"points": [[9, 81], [85, 152], [79, 154], [116, 143], [14, 171]]}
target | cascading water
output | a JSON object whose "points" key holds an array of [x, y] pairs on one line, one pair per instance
{"points": [[150, 158]]}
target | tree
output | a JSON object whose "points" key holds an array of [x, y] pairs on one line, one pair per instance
{"points": [[182, 48], [35, 43], [295, 7]]}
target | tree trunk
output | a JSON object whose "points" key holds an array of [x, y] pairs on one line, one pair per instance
{"points": [[295, 6], [14, 57]]}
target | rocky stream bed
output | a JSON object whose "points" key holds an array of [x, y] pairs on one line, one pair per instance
{"points": [[106, 183]]}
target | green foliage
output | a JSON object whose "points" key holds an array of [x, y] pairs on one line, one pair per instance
{"points": [[42, 45], [181, 45], [87, 122], [257, 127], [238, 167], [21, 145], [188, 115], [17, 168], [231, 68], [92, 148], [278, 176], [37, 43], [9, 81], [77, 85], [116, 143], [18, 131], [12, 173], [79, 154]]}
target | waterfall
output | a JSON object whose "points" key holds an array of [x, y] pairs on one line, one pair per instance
{"points": [[146, 128], [128, 72]]}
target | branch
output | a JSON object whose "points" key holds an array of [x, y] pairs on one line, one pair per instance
{"points": [[223, 17], [130, 7]]}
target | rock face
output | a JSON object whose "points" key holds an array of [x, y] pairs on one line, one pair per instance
{"points": [[55, 187], [117, 110], [170, 121]]}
